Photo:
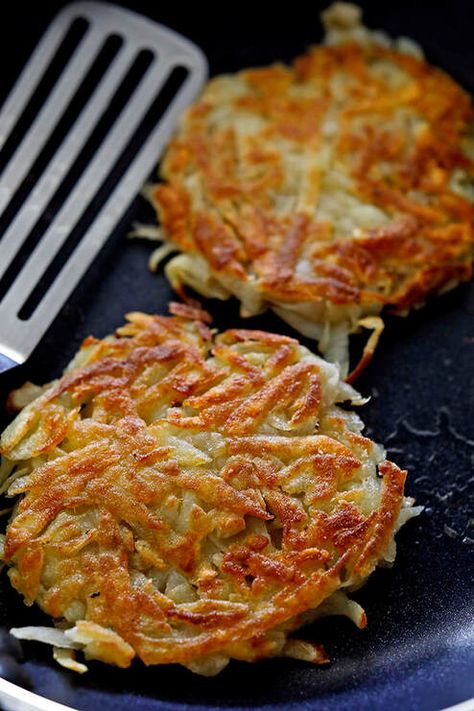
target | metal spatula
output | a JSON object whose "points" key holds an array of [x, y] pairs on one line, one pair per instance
{"points": [[118, 53]]}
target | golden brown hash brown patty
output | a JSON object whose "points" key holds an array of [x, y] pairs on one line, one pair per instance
{"points": [[325, 190], [191, 498]]}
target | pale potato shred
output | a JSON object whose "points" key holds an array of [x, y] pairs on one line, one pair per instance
{"points": [[190, 497], [326, 190]]}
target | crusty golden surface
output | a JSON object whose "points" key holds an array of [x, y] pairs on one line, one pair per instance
{"points": [[191, 497], [325, 190]]}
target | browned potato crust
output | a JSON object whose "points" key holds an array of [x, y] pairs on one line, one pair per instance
{"points": [[325, 190], [191, 497]]}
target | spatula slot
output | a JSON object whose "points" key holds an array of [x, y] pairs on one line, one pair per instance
{"points": [[91, 126], [104, 58], [64, 124], [158, 107], [10, 139]]}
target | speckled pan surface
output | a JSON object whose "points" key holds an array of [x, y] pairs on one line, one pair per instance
{"points": [[418, 649]]}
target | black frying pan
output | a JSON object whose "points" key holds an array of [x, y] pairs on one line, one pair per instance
{"points": [[418, 649]]}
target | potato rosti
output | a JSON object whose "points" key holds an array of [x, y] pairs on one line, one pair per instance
{"points": [[190, 497], [325, 190]]}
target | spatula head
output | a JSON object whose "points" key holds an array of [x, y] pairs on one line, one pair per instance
{"points": [[113, 101]]}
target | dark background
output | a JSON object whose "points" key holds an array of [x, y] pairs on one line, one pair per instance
{"points": [[418, 649]]}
